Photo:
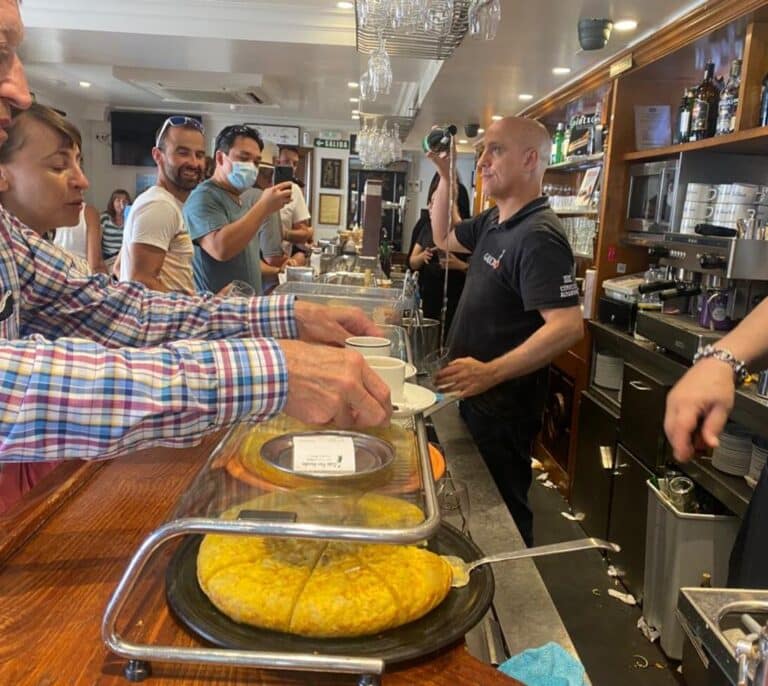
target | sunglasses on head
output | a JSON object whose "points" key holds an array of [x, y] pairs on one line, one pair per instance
{"points": [[178, 120]]}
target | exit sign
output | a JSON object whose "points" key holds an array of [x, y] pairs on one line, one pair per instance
{"points": [[332, 144]]}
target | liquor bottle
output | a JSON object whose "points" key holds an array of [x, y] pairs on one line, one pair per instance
{"points": [[566, 143], [764, 103], [704, 112], [729, 102], [557, 144], [683, 128]]}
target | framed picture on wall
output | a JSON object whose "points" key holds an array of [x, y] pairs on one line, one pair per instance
{"points": [[330, 174], [330, 209]]}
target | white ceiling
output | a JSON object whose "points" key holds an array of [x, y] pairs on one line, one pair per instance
{"points": [[299, 55]]}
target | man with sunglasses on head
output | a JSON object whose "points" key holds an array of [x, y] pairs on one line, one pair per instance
{"points": [[223, 226], [93, 370], [157, 250]]}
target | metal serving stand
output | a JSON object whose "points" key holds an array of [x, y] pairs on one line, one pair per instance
{"points": [[140, 656]]}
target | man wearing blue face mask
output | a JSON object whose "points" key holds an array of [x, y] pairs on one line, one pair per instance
{"points": [[223, 231]]}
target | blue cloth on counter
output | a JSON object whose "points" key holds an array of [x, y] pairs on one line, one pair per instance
{"points": [[549, 665]]}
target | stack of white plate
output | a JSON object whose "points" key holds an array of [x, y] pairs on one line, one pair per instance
{"points": [[759, 458], [608, 371], [734, 454]]}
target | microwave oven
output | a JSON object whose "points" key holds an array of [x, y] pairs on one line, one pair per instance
{"points": [[652, 196]]}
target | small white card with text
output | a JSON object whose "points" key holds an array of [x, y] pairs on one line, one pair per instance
{"points": [[324, 455]]}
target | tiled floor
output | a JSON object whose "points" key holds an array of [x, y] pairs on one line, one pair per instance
{"points": [[603, 629]]}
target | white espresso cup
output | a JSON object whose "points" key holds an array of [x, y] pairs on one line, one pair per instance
{"points": [[697, 210], [369, 345], [743, 193], [392, 372], [700, 192], [732, 212]]}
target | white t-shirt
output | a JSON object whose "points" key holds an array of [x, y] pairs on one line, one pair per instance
{"points": [[155, 219], [295, 210], [73, 239]]}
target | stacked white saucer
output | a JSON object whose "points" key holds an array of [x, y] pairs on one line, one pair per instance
{"points": [[734, 454], [609, 371]]}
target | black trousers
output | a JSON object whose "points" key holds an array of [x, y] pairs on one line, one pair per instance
{"points": [[505, 445], [748, 566]]}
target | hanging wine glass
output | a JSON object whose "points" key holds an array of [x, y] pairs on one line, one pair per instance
{"points": [[366, 92], [439, 17], [380, 69], [484, 18]]}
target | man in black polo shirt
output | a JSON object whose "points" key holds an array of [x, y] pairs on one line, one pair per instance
{"points": [[519, 309]]}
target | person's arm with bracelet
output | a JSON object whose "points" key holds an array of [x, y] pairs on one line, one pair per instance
{"points": [[229, 240], [699, 404]]}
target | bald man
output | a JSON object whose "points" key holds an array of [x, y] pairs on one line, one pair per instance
{"points": [[519, 308]]}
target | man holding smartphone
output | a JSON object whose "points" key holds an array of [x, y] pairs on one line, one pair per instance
{"points": [[223, 227]]}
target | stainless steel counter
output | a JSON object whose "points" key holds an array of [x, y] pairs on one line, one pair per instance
{"points": [[527, 616]]}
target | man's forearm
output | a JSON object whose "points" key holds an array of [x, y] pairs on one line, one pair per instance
{"points": [[439, 216], [230, 240], [539, 349]]}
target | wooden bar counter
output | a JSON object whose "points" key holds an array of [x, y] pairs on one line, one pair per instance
{"points": [[63, 551]]}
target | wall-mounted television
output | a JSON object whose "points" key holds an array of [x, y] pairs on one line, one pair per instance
{"points": [[133, 136]]}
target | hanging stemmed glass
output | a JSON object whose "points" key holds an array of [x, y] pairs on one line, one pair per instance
{"points": [[484, 18], [439, 17], [380, 69]]}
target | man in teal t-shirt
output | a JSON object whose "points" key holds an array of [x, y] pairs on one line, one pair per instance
{"points": [[223, 230]]}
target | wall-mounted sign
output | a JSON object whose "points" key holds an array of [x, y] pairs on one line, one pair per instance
{"points": [[620, 66], [281, 135], [331, 144]]}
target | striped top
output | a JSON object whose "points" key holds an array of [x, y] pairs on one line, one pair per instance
{"points": [[111, 237], [92, 370]]}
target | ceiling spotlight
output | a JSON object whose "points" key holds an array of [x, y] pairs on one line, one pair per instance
{"points": [[463, 141], [354, 99], [345, 5], [497, 117], [525, 97], [625, 25], [561, 71], [353, 84], [479, 131], [355, 111], [85, 84], [355, 116]]}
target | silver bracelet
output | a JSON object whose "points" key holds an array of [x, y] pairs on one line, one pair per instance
{"points": [[740, 372]]}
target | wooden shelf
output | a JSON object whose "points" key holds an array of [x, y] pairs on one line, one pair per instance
{"points": [[749, 142], [578, 164]]}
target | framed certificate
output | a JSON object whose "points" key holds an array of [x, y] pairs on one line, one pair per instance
{"points": [[330, 209], [330, 174], [281, 135]]}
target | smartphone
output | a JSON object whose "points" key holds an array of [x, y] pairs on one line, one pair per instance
{"points": [[283, 173]]}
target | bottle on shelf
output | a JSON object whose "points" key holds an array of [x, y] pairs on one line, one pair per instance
{"points": [[683, 127], [704, 111], [729, 102], [764, 103], [566, 143], [557, 144]]}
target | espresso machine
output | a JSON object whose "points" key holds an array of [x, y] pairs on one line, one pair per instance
{"points": [[712, 283]]}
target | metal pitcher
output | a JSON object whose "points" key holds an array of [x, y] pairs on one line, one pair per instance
{"points": [[424, 335]]}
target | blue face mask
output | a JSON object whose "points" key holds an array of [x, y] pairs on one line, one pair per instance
{"points": [[243, 175]]}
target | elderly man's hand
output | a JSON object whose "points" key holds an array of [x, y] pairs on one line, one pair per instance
{"points": [[467, 377], [331, 385], [332, 325], [698, 407]]}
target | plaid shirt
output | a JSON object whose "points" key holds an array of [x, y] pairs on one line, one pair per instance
{"points": [[89, 369]]}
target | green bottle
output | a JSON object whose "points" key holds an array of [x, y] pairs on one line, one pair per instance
{"points": [[557, 155]]}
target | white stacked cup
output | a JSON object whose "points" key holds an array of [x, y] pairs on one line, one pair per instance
{"points": [[698, 207], [735, 201]]}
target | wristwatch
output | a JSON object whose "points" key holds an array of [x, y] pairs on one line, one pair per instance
{"points": [[739, 367]]}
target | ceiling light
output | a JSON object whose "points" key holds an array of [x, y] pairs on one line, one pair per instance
{"points": [[625, 25], [463, 141], [345, 5], [497, 117], [355, 111], [561, 71], [525, 97], [354, 99], [479, 131], [353, 84], [355, 116], [85, 84]]}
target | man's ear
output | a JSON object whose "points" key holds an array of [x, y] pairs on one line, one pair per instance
{"points": [[5, 184], [156, 155], [219, 157]]}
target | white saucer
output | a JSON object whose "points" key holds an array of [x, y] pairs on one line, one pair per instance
{"points": [[417, 399], [410, 370]]}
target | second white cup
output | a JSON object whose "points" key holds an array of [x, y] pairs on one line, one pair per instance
{"points": [[369, 345], [392, 372]]}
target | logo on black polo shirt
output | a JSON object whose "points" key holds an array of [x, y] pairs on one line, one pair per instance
{"points": [[494, 262], [570, 288]]}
